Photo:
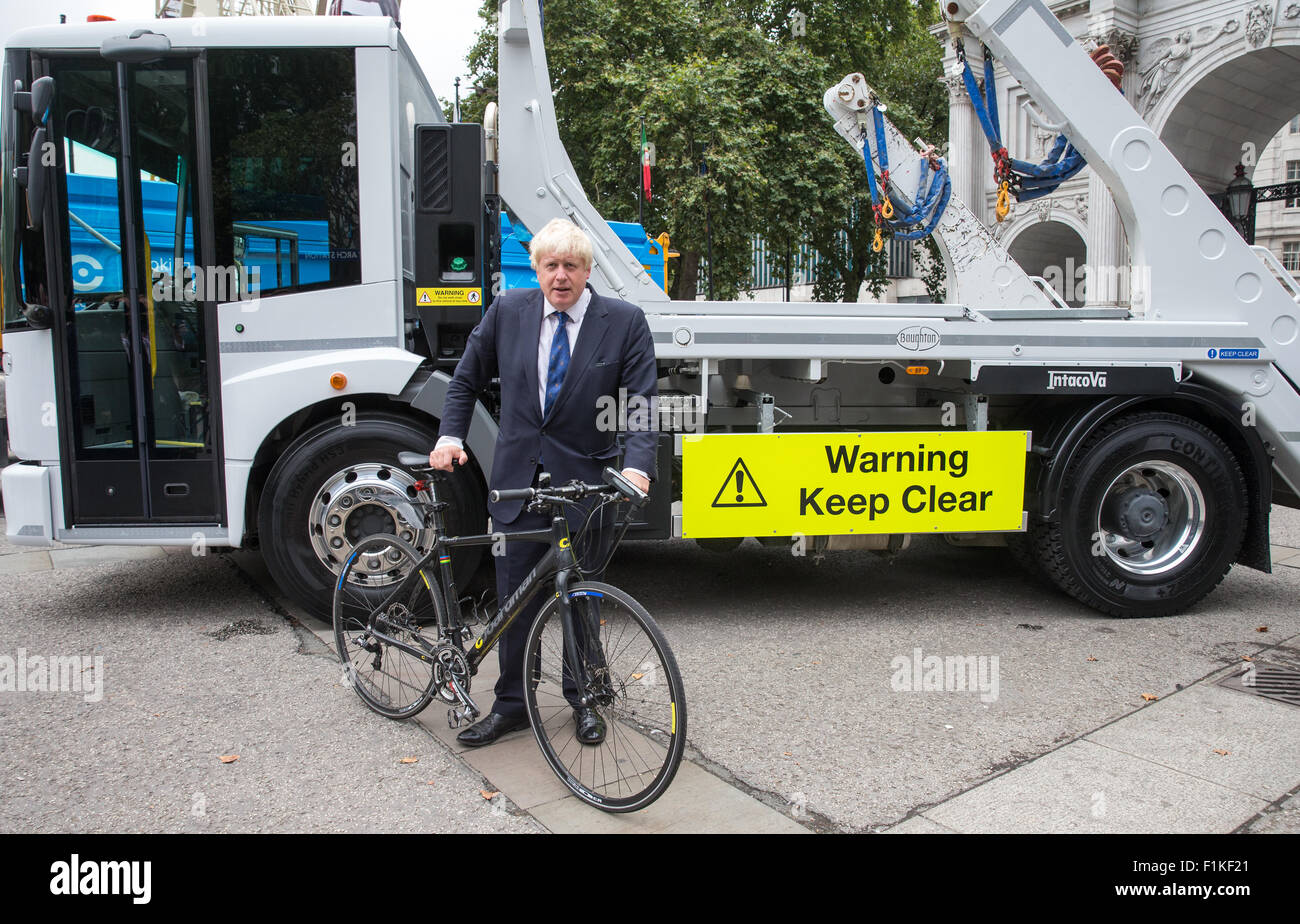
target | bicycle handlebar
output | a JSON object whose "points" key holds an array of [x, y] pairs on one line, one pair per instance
{"points": [[510, 494], [615, 483]]}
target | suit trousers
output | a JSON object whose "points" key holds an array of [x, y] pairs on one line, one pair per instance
{"points": [[511, 570]]}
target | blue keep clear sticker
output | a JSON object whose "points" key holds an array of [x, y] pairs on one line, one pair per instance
{"points": [[1234, 354]]}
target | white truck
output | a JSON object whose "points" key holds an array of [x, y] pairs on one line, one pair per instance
{"points": [[290, 245]]}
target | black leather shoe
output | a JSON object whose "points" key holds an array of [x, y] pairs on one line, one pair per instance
{"points": [[591, 727], [491, 727]]}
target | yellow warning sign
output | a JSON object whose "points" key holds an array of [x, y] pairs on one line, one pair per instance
{"points": [[448, 297], [820, 484], [739, 489]]}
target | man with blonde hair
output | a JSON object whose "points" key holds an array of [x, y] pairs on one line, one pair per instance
{"points": [[558, 350]]}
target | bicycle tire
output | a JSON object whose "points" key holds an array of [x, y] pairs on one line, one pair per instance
{"points": [[392, 682], [641, 701]]}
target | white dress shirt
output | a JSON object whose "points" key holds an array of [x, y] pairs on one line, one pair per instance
{"points": [[547, 337]]}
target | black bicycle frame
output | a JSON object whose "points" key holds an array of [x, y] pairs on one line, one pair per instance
{"points": [[559, 561]]}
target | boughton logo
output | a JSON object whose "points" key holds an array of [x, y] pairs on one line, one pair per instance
{"points": [[918, 338], [1075, 378]]}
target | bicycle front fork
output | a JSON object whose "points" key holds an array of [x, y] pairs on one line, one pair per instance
{"points": [[581, 644]]}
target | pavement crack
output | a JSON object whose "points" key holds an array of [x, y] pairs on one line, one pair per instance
{"points": [[308, 643]]}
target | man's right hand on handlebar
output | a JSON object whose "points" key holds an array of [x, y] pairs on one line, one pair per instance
{"points": [[443, 458]]}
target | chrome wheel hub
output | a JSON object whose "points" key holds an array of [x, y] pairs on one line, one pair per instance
{"points": [[361, 501], [1152, 518]]}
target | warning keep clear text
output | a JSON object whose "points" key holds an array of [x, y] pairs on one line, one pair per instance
{"points": [[768, 484], [915, 498]]}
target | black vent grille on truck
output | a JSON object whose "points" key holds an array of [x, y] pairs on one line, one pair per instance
{"points": [[435, 192]]}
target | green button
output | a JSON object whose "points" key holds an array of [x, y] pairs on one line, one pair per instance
{"points": [[239, 328], [459, 264]]}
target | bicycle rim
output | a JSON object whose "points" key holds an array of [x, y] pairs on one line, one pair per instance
{"points": [[395, 683], [637, 691]]}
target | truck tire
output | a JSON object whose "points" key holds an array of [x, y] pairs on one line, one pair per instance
{"points": [[335, 485], [1151, 515], [1023, 551]]}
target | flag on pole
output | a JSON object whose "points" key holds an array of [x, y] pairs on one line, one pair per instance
{"points": [[645, 164]]}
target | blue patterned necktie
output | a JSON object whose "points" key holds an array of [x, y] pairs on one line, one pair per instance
{"points": [[559, 361]]}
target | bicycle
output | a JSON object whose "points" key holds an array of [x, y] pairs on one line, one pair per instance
{"points": [[401, 634]]}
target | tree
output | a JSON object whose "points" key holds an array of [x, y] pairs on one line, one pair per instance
{"points": [[889, 43], [733, 104]]}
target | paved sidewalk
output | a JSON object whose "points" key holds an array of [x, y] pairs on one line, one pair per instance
{"points": [[697, 802], [1208, 759]]}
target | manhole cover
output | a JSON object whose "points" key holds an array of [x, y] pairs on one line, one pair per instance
{"points": [[1266, 680]]}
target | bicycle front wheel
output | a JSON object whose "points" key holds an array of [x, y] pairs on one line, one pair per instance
{"points": [[369, 617], [629, 676]]}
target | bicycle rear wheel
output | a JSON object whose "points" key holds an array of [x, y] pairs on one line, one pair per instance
{"points": [[393, 682], [634, 686]]}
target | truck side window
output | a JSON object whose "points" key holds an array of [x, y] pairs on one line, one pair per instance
{"points": [[286, 205]]}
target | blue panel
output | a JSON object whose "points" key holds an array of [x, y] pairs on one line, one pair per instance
{"points": [[518, 274], [97, 269]]}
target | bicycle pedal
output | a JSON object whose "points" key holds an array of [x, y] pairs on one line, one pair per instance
{"points": [[457, 717]]}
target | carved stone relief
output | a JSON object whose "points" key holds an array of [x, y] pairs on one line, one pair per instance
{"points": [[1170, 55], [1123, 45], [1259, 23]]}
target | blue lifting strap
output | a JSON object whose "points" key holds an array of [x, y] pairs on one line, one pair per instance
{"points": [[931, 197], [1028, 181]]}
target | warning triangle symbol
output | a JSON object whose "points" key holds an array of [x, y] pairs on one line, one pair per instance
{"points": [[424, 298], [739, 489]]}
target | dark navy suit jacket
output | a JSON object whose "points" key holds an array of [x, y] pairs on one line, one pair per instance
{"points": [[614, 350]]}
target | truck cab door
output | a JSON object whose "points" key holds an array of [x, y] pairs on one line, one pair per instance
{"points": [[135, 365]]}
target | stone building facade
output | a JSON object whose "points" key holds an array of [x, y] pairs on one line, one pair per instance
{"points": [[1216, 79]]}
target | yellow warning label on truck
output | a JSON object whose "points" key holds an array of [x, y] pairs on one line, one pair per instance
{"points": [[448, 297], [821, 484]]}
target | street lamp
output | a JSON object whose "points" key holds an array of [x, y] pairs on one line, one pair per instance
{"points": [[1240, 193]]}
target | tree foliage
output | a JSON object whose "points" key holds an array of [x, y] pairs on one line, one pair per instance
{"points": [[732, 101]]}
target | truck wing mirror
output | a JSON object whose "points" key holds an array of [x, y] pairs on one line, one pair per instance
{"points": [[42, 98], [36, 175], [140, 47], [36, 100]]}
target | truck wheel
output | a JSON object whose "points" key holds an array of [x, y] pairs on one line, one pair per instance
{"points": [[1021, 549], [1152, 514], [337, 485]]}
